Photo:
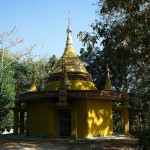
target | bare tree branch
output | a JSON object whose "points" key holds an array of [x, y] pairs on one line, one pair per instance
{"points": [[6, 43]]}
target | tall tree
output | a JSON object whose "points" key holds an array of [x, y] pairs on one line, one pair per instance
{"points": [[7, 93]]}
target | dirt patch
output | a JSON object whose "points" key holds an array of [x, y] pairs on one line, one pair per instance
{"points": [[100, 143]]}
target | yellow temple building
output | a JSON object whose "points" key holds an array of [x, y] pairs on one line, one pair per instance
{"points": [[70, 105]]}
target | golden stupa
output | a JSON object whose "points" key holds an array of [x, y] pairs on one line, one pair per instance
{"points": [[77, 74], [70, 105]]}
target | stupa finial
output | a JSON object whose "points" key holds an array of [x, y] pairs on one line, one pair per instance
{"points": [[69, 17], [108, 85], [69, 42]]}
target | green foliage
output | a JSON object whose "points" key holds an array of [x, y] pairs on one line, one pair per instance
{"points": [[95, 64], [23, 74], [43, 68], [140, 94], [7, 92], [25, 69]]}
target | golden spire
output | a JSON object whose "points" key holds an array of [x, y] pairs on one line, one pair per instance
{"points": [[33, 84], [74, 73], [108, 85], [75, 64], [69, 50], [69, 42]]}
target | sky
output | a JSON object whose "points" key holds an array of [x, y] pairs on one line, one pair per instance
{"points": [[44, 23]]}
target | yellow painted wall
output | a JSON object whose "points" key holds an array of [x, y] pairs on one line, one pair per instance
{"points": [[38, 122], [94, 118], [81, 121], [52, 123], [99, 117]]}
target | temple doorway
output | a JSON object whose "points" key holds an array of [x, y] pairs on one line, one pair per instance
{"points": [[64, 123]]}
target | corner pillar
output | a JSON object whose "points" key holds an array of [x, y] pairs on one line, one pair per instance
{"points": [[126, 121]]}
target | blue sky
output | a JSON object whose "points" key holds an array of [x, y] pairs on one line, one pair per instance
{"points": [[44, 22]]}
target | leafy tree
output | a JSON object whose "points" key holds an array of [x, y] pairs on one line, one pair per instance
{"points": [[140, 94], [96, 65], [23, 73], [41, 69], [7, 93]]}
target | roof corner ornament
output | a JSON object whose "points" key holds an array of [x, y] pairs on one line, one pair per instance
{"points": [[108, 85], [33, 87]]}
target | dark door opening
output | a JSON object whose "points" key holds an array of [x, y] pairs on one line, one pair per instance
{"points": [[64, 123]]}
